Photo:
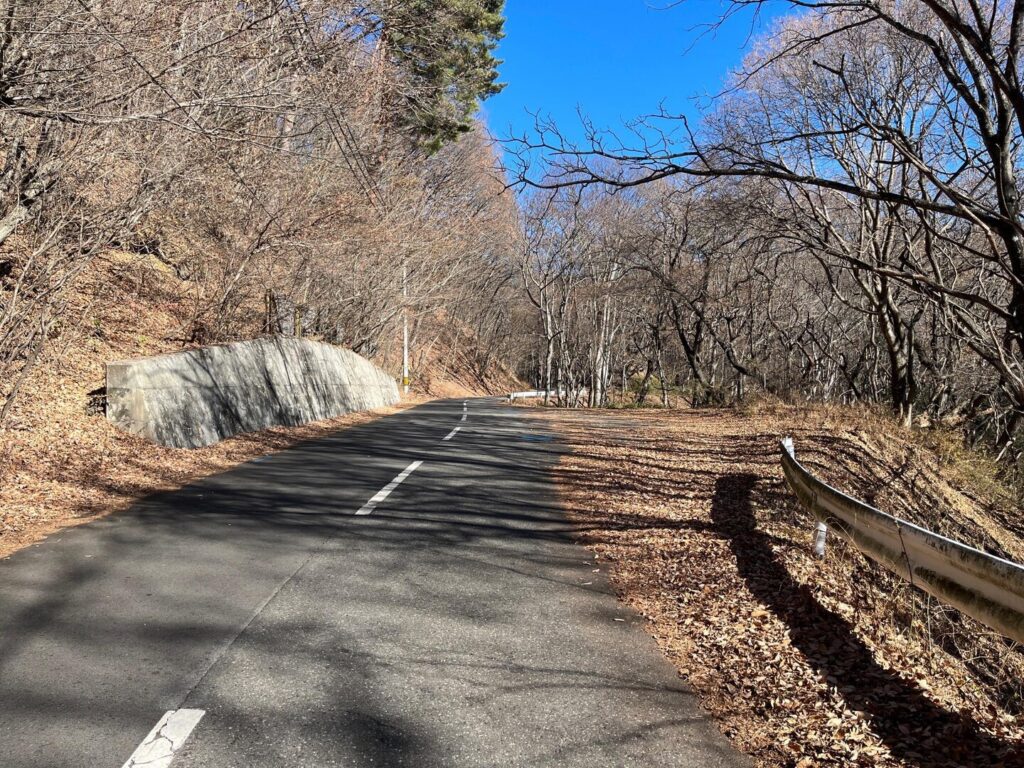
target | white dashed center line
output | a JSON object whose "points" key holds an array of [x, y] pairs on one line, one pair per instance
{"points": [[167, 737], [384, 492]]}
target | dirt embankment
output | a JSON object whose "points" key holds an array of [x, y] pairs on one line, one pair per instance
{"points": [[805, 662], [448, 361]]}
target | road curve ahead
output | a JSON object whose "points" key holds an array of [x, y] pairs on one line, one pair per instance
{"points": [[402, 593]]}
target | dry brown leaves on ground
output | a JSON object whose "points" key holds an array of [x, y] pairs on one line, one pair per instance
{"points": [[804, 662]]}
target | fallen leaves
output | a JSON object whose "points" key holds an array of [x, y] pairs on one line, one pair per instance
{"points": [[805, 662]]}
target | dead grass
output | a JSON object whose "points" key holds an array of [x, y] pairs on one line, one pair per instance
{"points": [[804, 662]]}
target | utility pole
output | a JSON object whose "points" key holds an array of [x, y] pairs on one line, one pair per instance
{"points": [[405, 329]]}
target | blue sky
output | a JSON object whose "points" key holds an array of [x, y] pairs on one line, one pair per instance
{"points": [[614, 59]]}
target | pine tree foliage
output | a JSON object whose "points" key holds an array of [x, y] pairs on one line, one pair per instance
{"points": [[444, 53]]}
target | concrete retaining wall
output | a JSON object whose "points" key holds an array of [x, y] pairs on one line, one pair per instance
{"points": [[199, 397]]}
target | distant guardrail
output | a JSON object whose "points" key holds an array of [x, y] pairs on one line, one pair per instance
{"points": [[530, 393], [983, 586]]}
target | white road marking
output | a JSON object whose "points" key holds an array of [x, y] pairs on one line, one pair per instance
{"points": [[451, 434], [384, 492], [167, 737]]}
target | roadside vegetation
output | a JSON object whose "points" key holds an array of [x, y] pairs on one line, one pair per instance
{"points": [[843, 225]]}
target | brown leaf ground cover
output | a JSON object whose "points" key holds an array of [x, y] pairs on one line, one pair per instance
{"points": [[804, 662]]}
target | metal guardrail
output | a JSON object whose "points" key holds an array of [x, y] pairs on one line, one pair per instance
{"points": [[983, 586], [528, 394]]}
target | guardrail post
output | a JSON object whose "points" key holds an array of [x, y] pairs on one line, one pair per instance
{"points": [[819, 539], [820, 530]]}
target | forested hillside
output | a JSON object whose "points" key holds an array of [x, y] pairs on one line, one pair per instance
{"points": [[174, 174], [301, 168]]}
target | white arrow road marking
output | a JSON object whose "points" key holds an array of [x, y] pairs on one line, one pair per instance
{"points": [[384, 492], [167, 737]]}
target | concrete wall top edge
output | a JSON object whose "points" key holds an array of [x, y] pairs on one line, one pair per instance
{"points": [[272, 340], [275, 360]]}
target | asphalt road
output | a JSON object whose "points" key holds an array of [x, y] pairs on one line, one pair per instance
{"points": [[453, 623]]}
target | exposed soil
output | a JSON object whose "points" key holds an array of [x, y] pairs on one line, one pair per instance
{"points": [[804, 662]]}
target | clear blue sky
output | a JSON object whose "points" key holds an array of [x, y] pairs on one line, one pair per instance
{"points": [[614, 59]]}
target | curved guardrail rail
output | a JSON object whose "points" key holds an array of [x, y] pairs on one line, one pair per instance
{"points": [[981, 585], [532, 393]]}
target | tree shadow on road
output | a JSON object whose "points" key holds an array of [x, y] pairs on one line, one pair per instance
{"points": [[914, 728]]}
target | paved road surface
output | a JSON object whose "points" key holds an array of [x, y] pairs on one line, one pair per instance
{"points": [[451, 624]]}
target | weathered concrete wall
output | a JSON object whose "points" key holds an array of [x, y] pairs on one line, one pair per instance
{"points": [[199, 397]]}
